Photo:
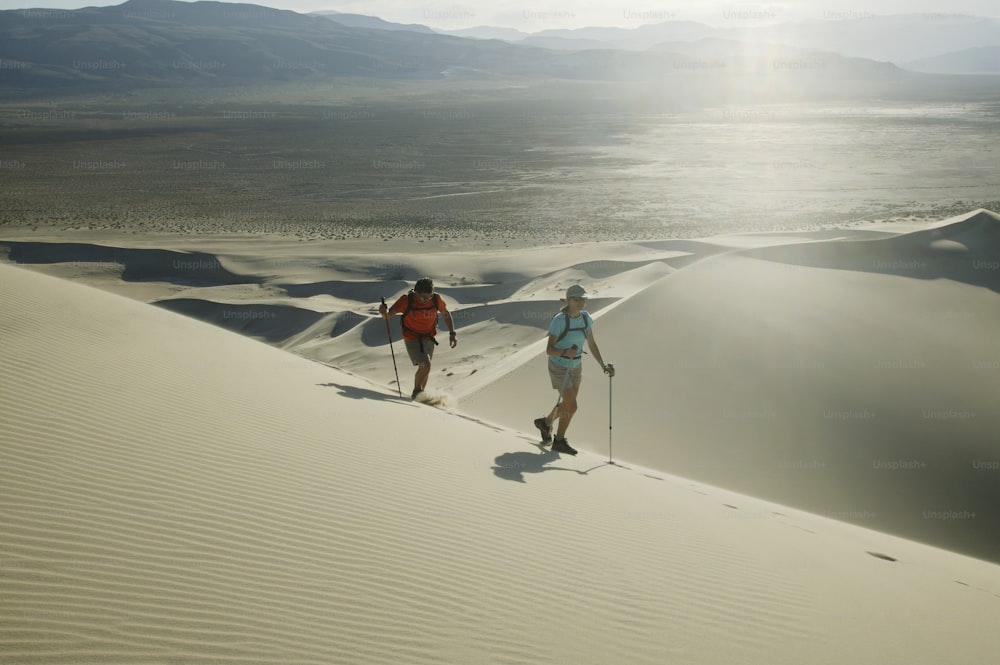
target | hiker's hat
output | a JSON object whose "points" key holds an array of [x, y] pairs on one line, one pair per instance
{"points": [[575, 291]]}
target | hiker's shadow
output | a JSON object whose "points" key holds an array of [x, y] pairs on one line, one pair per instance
{"points": [[354, 392], [513, 466]]}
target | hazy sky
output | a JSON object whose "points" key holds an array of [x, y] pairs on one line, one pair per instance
{"points": [[535, 15]]}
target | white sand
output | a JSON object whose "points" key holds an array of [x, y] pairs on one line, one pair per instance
{"points": [[175, 492]]}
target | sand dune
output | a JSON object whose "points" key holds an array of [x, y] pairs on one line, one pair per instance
{"points": [[174, 492], [821, 374], [962, 249]]}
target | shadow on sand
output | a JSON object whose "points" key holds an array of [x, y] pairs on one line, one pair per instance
{"points": [[513, 466], [355, 392]]}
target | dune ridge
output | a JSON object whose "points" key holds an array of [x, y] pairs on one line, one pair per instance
{"points": [[961, 249]]}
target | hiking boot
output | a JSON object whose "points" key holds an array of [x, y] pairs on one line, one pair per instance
{"points": [[562, 446], [416, 391], [545, 428]]}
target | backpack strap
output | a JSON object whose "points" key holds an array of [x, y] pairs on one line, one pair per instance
{"points": [[587, 323], [565, 328]]}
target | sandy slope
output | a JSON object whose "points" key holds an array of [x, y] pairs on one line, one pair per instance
{"points": [[173, 492], [857, 379]]}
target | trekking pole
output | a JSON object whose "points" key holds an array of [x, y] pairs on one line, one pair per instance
{"points": [[389, 335], [610, 377]]}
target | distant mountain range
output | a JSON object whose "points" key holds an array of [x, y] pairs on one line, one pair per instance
{"points": [[162, 42], [896, 39], [900, 39], [976, 60], [373, 22]]}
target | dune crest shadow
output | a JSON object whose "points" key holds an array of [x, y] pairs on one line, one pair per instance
{"points": [[138, 264]]}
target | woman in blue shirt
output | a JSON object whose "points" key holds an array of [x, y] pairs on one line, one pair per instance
{"points": [[569, 329]]}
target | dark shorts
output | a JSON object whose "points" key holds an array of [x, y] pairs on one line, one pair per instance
{"points": [[420, 350], [557, 375]]}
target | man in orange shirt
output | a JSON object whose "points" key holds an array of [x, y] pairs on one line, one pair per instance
{"points": [[420, 308]]}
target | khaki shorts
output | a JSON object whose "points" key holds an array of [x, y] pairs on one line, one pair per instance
{"points": [[557, 375], [420, 350]]}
